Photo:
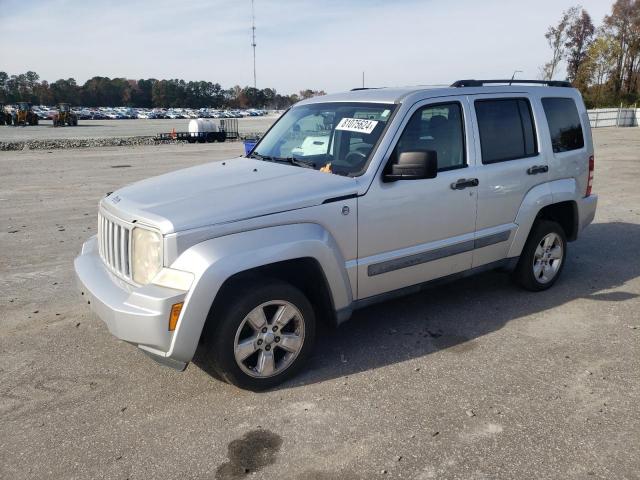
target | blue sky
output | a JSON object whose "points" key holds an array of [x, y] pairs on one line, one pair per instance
{"points": [[301, 44]]}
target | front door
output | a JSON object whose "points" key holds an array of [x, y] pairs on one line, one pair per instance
{"points": [[412, 231]]}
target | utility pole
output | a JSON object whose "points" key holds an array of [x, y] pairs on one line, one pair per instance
{"points": [[253, 42]]}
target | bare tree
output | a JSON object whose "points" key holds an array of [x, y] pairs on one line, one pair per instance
{"points": [[579, 38], [623, 24], [557, 37]]}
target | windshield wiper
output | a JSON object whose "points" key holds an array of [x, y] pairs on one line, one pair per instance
{"points": [[293, 161], [257, 156], [296, 161]]}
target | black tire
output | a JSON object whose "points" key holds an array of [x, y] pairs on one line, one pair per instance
{"points": [[223, 325], [525, 273]]}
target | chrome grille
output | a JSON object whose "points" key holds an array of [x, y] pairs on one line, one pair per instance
{"points": [[114, 245]]}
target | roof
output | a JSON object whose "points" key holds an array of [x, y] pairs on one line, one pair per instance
{"points": [[400, 94]]}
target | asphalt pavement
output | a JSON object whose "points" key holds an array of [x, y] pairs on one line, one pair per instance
{"points": [[472, 380]]}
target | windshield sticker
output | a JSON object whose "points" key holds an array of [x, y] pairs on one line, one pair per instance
{"points": [[385, 114], [357, 125]]}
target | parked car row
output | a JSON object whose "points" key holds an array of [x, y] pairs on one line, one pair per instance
{"points": [[45, 112]]}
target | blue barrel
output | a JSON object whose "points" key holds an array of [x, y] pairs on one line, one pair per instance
{"points": [[249, 143]]}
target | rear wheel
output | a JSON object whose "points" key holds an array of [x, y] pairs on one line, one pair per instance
{"points": [[262, 335], [543, 257]]}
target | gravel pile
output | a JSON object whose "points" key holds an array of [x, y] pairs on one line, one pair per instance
{"points": [[80, 143], [95, 142]]}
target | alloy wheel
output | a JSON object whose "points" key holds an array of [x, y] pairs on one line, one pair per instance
{"points": [[548, 258], [269, 339]]}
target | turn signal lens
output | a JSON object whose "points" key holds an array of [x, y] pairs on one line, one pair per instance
{"points": [[176, 308]]}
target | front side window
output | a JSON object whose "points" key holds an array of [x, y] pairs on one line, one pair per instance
{"points": [[438, 128], [506, 129], [564, 124], [335, 138]]}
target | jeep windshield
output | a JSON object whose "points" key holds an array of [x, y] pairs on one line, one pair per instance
{"points": [[331, 137]]}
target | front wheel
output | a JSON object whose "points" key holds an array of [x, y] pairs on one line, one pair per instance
{"points": [[543, 257], [262, 335]]}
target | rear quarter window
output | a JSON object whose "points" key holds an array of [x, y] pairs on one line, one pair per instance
{"points": [[564, 124]]}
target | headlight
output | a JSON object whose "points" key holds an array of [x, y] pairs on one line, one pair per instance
{"points": [[146, 255]]}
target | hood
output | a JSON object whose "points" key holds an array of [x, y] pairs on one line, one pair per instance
{"points": [[223, 191]]}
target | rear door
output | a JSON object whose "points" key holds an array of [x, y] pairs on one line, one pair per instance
{"points": [[510, 164]]}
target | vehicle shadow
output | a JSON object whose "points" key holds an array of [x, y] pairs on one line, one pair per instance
{"points": [[451, 316]]}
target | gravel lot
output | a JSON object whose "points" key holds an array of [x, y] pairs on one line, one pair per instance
{"points": [[119, 128], [473, 380]]}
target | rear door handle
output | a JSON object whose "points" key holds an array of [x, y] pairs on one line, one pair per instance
{"points": [[463, 183], [537, 169]]}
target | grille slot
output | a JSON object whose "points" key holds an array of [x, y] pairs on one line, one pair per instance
{"points": [[114, 245]]}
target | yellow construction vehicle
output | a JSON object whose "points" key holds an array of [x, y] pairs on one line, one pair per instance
{"points": [[64, 116], [23, 115]]}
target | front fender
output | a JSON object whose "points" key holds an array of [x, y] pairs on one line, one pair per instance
{"points": [[214, 261]]}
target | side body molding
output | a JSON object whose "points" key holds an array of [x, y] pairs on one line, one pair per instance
{"points": [[535, 200], [216, 260]]}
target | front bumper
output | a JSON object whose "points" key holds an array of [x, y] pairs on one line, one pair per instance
{"points": [[139, 315]]}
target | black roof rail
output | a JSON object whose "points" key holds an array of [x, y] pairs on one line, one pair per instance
{"points": [[481, 83], [364, 88]]}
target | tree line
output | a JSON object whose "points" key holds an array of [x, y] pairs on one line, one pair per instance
{"points": [[604, 61], [149, 93]]}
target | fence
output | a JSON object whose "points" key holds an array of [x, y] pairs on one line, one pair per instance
{"points": [[614, 117]]}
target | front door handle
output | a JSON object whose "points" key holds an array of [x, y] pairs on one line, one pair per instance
{"points": [[537, 169], [463, 183]]}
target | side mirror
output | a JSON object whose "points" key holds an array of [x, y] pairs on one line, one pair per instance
{"points": [[416, 165]]}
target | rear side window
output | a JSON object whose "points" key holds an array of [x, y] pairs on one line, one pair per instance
{"points": [[564, 124], [506, 128]]}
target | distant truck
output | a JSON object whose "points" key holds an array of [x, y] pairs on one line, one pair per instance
{"points": [[203, 130], [23, 115], [65, 116]]}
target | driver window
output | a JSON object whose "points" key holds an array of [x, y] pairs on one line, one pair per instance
{"points": [[438, 128]]}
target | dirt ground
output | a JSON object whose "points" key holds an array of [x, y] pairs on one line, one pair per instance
{"points": [[473, 380]]}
